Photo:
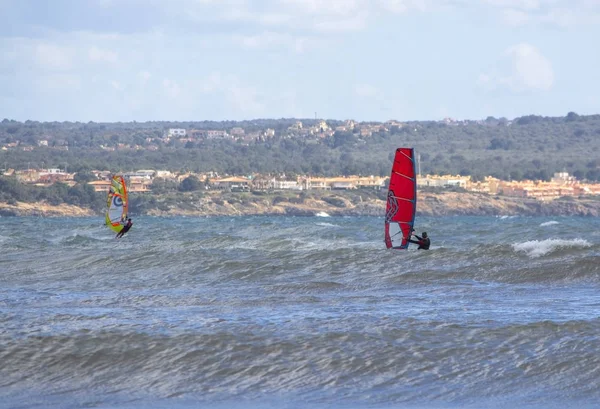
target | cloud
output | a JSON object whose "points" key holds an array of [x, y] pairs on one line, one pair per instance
{"points": [[286, 16], [215, 16], [99, 55], [245, 100], [354, 23], [403, 6], [105, 3], [329, 7], [212, 83], [236, 58], [484, 80], [518, 4], [531, 70], [144, 76], [334, 16], [171, 88], [566, 18], [116, 85], [241, 98], [54, 56], [523, 68], [515, 17], [558, 13], [274, 40], [265, 40], [260, 18], [59, 82]]}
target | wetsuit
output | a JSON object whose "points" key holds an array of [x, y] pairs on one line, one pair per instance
{"points": [[423, 242], [125, 229]]}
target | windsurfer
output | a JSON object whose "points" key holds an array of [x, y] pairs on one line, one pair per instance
{"points": [[422, 241], [125, 229]]}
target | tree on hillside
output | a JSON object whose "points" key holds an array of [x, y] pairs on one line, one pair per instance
{"points": [[84, 177], [161, 185], [191, 184]]}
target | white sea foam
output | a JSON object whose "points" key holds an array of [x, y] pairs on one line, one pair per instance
{"points": [[322, 214], [536, 248], [325, 224], [550, 223]]}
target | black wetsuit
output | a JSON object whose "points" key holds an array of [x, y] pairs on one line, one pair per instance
{"points": [[423, 242], [124, 230]]}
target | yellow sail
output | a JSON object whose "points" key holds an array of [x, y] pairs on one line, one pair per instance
{"points": [[117, 204]]}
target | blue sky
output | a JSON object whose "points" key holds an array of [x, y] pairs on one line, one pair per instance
{"points": [[125, 60]]}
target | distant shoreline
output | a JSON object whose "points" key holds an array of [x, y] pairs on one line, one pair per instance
{"points": [[429, 204]]}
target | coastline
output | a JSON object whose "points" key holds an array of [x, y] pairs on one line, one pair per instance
{"points": [[429, 204], [43, 209]]}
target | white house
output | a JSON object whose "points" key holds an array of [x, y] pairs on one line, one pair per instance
{"points": [[286, 185], [179, 132]]}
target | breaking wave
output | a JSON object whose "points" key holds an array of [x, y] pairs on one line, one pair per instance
{"points": [[539, 248]]}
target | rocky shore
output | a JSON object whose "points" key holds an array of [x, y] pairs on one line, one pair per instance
{"points": [[42, 209], [430, 204]]}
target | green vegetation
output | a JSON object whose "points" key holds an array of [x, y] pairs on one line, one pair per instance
{"points": [[191, 184], [82, 195], [530, 147]]}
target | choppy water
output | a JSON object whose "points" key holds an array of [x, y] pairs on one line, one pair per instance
{"points": [[310, 312]]}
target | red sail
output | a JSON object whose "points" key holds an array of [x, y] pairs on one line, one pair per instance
{"points": [[401, 200]]}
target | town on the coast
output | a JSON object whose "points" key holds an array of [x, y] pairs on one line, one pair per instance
{"points": [[140, 181], [561, 184]]}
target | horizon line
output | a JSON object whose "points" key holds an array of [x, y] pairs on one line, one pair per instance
{"points": [[295, 118]]}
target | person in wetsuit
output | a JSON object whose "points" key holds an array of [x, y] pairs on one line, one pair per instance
{"points": [[422, 241], [125, 229]]}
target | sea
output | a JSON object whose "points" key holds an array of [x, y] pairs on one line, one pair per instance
{"points": [[299, 312]]}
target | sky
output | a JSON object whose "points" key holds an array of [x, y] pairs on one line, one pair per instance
{"points": [[367, 60]]}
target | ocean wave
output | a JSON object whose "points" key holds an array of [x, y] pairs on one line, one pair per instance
{"points": [[324, 224], [539, 248], [384, 360], [84, 240], [550, 223], [506, 217], [314, 311]]}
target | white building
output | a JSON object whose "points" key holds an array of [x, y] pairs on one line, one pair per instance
{"points": [[165, 174], [213, 134], [443, 181], [563, 178], [144, 174], [237, 131], [179, 132], [286, 185]]}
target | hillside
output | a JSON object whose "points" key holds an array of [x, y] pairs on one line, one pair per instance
{"points": [[529, 147]]}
